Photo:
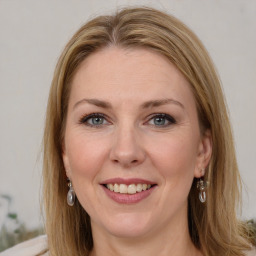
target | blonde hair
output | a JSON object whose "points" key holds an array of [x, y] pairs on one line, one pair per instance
{"points": [[214, 227]]}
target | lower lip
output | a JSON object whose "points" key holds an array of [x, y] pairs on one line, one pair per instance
{"points": [[128, 198]]}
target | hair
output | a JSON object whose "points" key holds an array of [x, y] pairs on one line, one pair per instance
{"points": [[214, 226]]}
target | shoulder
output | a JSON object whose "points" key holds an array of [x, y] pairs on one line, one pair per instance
{"points": [[33, 247], [251, 252]]}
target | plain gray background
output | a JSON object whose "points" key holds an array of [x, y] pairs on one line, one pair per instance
{"points": [[33, 34]]}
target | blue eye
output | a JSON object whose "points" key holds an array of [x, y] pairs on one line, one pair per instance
{"points": [[94, 120], [162, 120]]}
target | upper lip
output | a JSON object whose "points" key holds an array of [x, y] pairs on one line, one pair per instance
{"points": [[127, 181]]}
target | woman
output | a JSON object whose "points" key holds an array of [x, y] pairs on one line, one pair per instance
{"points": [[138, 151]]}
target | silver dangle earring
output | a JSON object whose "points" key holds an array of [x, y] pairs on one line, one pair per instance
{"points": [[71, 196], [201, 186]]}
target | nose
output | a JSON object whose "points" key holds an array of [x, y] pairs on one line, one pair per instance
{"points": [[127, 149]]}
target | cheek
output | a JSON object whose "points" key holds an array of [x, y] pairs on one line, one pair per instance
{"points": [[85, 154], [175, 156]]}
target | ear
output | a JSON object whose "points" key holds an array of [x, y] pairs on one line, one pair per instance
{"points": [[65, 160], [204, 154]]}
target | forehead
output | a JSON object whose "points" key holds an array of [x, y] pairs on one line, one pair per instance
{"points": [[140, 73]]}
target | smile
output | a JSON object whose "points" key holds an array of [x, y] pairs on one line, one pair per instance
{"points": [[128, 189]]}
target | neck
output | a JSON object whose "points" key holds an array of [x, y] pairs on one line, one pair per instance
{"points": [[169, 240]]}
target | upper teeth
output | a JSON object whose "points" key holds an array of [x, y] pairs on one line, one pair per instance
{"points": [[128, 189]]}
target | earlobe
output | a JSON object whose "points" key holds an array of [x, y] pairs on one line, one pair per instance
{"points": [[204, 154], [66, 164], [65, 161], [207, 144]]}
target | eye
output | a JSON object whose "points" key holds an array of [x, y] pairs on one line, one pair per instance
{"points": [[162, 120], [95, 120]]}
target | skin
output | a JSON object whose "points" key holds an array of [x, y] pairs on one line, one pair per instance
{"points": [[129, 143]]}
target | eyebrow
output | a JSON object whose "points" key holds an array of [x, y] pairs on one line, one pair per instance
{"points": [[157, 103], [147, 104], [96, 102]]}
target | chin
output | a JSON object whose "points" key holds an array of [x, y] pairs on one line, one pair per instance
{"points": [[129, 225]]}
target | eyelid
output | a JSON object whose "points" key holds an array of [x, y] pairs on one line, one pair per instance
{"points": [[169, 118], [85, 118]]}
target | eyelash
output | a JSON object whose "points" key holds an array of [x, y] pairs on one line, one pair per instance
{"points": [[85, 119], [167, 117]]}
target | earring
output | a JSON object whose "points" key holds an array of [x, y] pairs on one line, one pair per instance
{"points": [[201, 186], [71, 195]]}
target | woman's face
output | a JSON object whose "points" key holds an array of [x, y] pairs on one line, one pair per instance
{"points": [[132, 127]]}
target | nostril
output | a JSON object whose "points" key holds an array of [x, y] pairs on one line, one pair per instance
{"points": [[135, 161]]}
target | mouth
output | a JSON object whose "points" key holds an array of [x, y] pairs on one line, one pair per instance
{"points": [[128, 188], [128, 191]]}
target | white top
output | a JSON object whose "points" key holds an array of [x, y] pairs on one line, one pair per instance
{"points": [[33, 247], [38, 247]]}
